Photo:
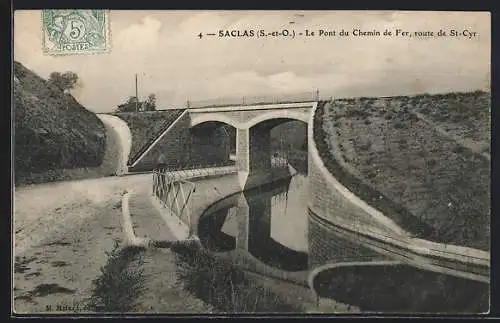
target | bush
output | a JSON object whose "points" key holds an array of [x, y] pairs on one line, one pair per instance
{"points": [[121, 281]]}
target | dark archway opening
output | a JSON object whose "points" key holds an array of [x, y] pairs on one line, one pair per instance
{"points": [[280, 142], [290, 140], [212, 143]]}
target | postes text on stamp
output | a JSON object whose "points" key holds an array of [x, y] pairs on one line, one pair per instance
{"points": [[75, 31]]}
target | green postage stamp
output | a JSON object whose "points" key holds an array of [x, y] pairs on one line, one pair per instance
{"points": [[75, 31]]}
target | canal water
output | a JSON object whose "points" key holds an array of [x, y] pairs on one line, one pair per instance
{"points": [[260, 252]]}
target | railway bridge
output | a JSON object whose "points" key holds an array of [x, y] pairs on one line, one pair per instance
{"points": [[208, 136]]}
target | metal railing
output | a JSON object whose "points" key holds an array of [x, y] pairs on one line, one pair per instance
{"points": [[174, 194], [178, 172], [256, 99], [174, 191]]}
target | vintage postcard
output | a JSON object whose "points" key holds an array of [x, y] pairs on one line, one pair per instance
{"points": [[256, 162]]}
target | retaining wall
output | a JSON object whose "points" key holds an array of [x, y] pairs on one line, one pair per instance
{"points": [[170, 147]]}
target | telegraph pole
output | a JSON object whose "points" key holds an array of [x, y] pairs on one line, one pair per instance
{"points": [[136, 95]]}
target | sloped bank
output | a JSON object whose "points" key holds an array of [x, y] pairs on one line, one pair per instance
{"points": [[53, 133], [113, 163], [148, 137], [413, 171], [334, 203]]}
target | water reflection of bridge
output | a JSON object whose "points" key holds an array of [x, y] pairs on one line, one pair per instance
{"points": [[240, 227]]}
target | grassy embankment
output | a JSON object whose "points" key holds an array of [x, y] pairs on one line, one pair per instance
{"points": [[56, 138], [421, 160], [146, 127]]}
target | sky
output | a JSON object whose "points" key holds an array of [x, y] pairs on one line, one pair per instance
{"points": [[162, 47]]}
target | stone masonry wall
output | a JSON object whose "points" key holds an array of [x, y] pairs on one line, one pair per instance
{"points": [[328, 246], [242, 138], [171, 149], [328, 203]]}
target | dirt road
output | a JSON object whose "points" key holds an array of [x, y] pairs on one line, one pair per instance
{"points": [[62, 231], [123, 137]]}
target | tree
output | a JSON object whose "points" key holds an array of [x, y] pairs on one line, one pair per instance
{"points": [[150, 103], [133, 104], [129, 106], [65, 81]]}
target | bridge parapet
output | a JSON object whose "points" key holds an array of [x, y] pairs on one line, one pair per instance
{"points": [[256, 100], [243, 117]]}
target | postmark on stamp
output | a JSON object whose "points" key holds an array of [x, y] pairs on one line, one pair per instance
{"points": [[75, 31]]}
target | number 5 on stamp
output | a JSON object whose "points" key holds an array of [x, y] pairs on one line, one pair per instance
{"points": [[75, 31]]}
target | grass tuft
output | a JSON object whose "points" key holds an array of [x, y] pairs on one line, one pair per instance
{"points": [[121, 281]]}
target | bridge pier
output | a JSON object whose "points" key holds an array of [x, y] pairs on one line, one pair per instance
{"points": [[242, 155], [253, 154], [243, 223], [260, 224]]}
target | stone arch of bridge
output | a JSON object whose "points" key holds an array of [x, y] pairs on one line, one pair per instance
{"points": [[282, 114], [214, 117], [265, 149], [278, 116], [212, 142]]}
